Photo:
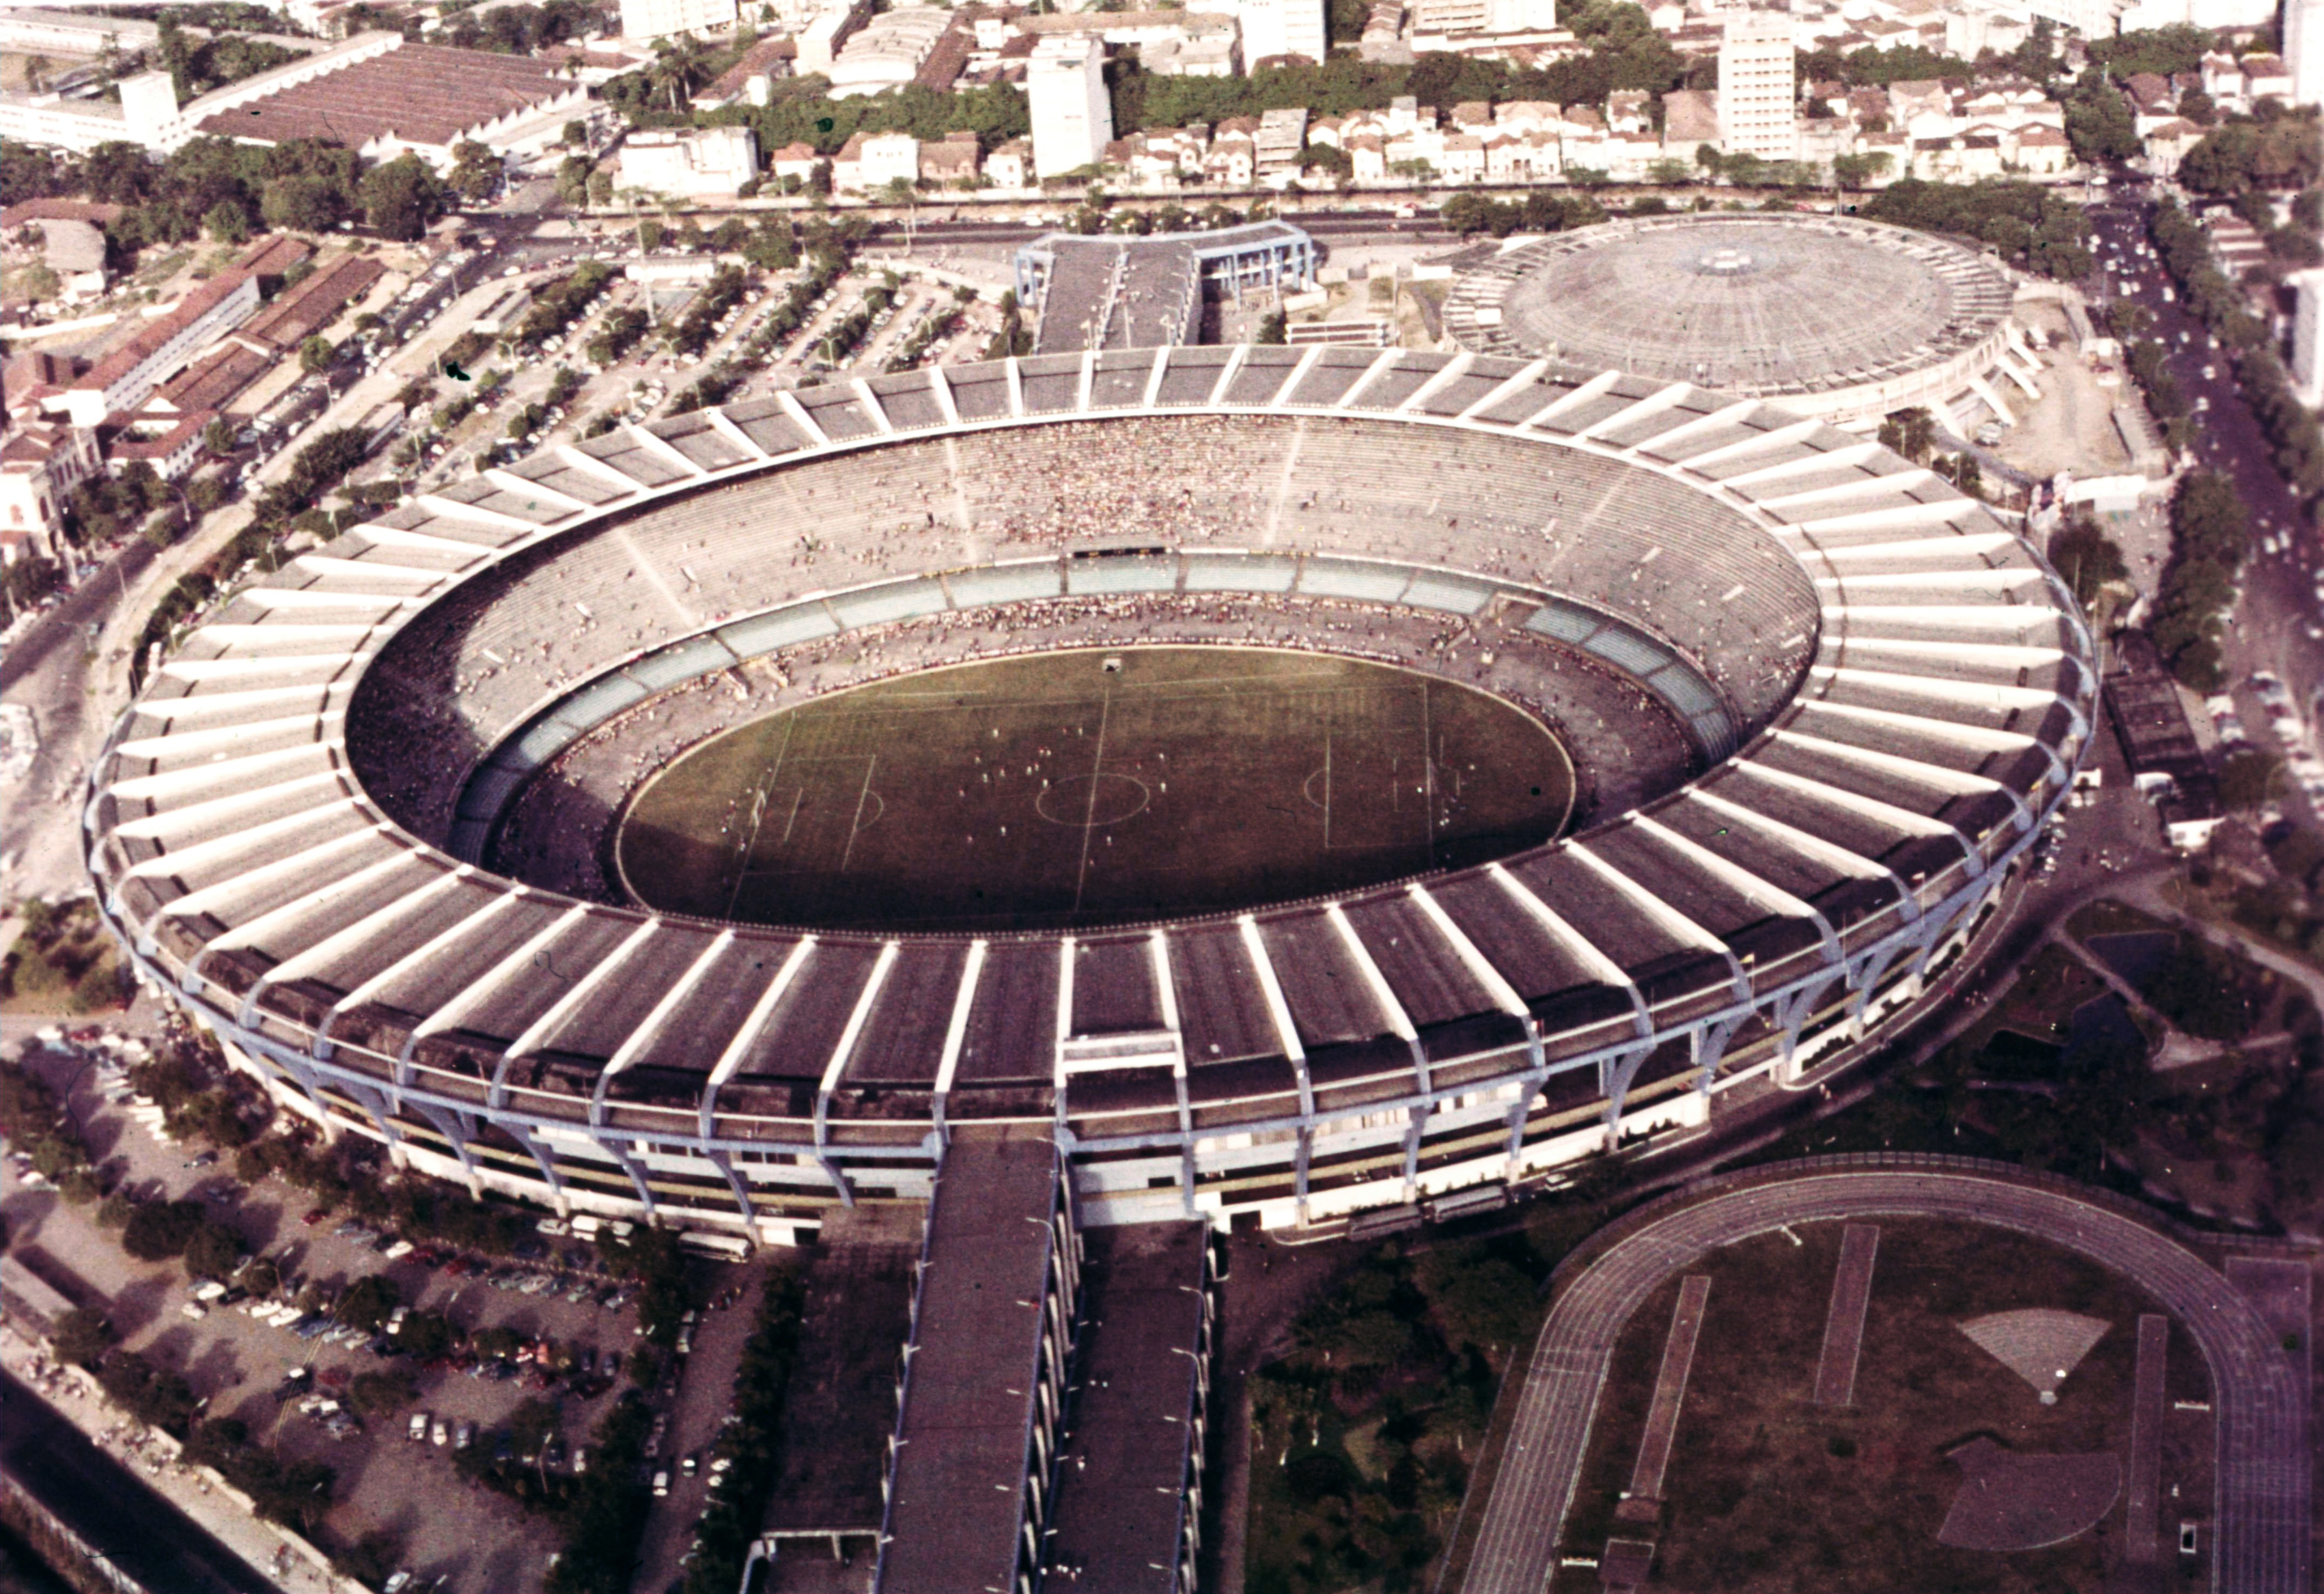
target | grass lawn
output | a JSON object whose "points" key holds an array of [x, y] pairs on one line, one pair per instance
{"points": [[1093, 787], [1766, 1492]]}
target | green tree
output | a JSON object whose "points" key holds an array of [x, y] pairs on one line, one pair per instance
{"points": [[531, 1425], [2250, 778], [368, 1301], [218, 437], [651, 235], [403, 197], [305, 202], [476, 171], [228, 222], [2100, 122], [1910, 432], [82, 1336], [316, 353], [1857, 171], [214, 1251], [573, 180], [2087, 557], [375, 1396], [159, 1230]]}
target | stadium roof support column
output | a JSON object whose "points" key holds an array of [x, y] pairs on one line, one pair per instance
{"points": [[1654, 403], [1166, 991], [1234, 359], [649, 1027], [837, 1067], [942, 388], [418, 956], [1758, 442], [1719, 420], [1287, 1033], [754, 1025], [725, 1166], [455, 1136], [590, 465], [1534, 372], [481, 989], [1480, 968], [1298, 374], [801, 417], [725, 427], [871, 402], [539, 1030], [1451, 373], [660, 449], [510, 481], [964, 1002], [1574, 400]]}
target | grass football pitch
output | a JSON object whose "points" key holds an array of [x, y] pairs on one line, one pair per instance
{"points": [[1092, 787]]}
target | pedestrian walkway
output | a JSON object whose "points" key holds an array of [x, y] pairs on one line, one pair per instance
{"points": [[70, 1395], [1670, 1394], [1843, 1326], [2140, 1543]]}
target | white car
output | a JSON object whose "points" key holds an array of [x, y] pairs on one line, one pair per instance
{"points": [[661, 1483]]}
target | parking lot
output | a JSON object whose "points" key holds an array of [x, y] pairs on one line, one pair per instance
{"points": [[547, 1327]]}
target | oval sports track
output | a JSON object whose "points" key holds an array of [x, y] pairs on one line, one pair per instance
{"points": [[2261, 1508]]}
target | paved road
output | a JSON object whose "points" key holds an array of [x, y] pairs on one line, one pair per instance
{"points": [[111, 1508], [2279, 625], [2263, 1473]]}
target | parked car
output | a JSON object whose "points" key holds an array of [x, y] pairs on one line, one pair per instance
{"points": [[418, 1431], [661, 1483]]}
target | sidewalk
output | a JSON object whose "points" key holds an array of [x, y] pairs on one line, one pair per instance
{"points": [[73, 1395]]}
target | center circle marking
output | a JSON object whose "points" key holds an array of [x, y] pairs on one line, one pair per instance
{"points": [[1070, 803]]}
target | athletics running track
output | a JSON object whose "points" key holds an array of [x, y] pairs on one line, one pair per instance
{"points": [[2262, 1505]]}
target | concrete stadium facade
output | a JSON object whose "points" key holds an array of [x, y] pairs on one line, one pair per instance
{"points": [[1435, 1040]]}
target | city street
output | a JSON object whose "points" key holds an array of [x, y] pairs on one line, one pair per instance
{"points": [[2275, 628]]}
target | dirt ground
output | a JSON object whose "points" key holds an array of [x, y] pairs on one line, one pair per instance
{"points": [[14, 62], [1767, 1492], [2070, 429]]}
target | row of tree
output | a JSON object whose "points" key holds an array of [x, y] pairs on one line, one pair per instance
{"points": [[304, 185], [2292, 430], [2211, 537]]}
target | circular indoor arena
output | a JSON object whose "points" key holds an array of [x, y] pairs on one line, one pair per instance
{"points": [[1841, 319]]}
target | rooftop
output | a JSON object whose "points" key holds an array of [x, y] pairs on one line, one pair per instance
{"points": [[959, 1490], [1137, 1422], [205, 298], [1757, 305], [858, 1309], [304, 310], [425, 94]]}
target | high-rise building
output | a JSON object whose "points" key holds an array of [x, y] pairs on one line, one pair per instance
{"points": [[2303, 50], [1282, 27], [656, 19], [2308, 336], [1073, 119], [1759, 89]]}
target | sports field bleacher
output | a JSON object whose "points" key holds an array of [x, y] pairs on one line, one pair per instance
{"points": [[1874, 688]]}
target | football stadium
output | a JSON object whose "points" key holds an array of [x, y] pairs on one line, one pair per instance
{"points": [[1844, 318], [1276, 783]]}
